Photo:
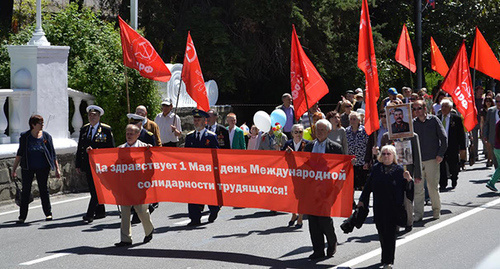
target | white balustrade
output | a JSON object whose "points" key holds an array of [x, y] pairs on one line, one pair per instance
{"points": [[77, 120]]}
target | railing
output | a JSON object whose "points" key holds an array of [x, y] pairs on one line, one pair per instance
{"points": [[77, 120], [12, 120]]}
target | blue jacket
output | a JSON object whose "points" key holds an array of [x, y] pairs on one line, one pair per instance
{"points": [[48, 148], [208, 140]]}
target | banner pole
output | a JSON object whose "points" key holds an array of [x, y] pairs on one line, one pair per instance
{"points": [[313, 132], [177, 100], [126, 87]]}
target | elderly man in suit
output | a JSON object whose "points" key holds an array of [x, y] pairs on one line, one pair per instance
{"points": [[454, 128], [93, 135], [219, 130], [132, 135], [322, 226], [492, 117], [149, 125], [201, 138]]}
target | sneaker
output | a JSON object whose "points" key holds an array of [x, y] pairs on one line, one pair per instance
{"points": [[491, 187]]}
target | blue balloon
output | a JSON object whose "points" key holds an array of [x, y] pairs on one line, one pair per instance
{"points": [[278, 116]]}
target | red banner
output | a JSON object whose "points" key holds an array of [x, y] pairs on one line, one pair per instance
{"points": [[404, 52], [438, 63], [368, 64], [299, 182], [458, 84], [305, 80], [140, 55], [192, 76], [483, 59]]}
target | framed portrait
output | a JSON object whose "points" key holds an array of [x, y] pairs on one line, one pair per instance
{"points": [[404, 151], [399, 121]]}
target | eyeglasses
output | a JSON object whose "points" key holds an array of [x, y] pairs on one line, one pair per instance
{"points": [[386, 153], [298, 132], [417, 108]]}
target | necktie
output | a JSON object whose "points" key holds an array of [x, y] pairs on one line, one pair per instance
{"points": [[444, 121], [89, 136], [198, 136]]}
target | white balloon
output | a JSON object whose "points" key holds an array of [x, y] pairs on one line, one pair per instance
{"points": [[262, 120]]}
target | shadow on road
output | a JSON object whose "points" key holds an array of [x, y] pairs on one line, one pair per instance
{"points": [[277, 230], [479, 181], [230, 257], [260, 214], [489, 195]]}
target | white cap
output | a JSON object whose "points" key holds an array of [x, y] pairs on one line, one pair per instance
{"points": [[94, 108]]}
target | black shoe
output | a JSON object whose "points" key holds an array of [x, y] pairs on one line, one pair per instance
{"points": [[408, 229], [123, 244], [316, 255], [442, 189], [100, 216], [20, 221], [331, 250], [212, 217], [291, 223], [453, 185], [148, 237], [298, 225], [48, 218], [87, 219], [194, 223], [135, 219]]}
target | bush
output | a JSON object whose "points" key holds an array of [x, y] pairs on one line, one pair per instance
{"points": [[95, 64]]}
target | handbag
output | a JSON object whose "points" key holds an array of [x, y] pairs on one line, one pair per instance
{"points": [[19, 192]]}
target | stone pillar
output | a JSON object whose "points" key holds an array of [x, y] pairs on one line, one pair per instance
{"points": [[47, 70]]}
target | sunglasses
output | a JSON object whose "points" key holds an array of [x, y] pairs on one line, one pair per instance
{"points": [[417, 108], [298, 132]]}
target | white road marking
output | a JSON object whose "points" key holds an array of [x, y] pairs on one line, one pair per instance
{"points": [[184, 222], [421, 233], [55, 256], [55, 203]]}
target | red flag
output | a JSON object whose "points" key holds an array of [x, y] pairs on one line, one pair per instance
{"points": [[404, 52], [368, 64], [438, 63], [483, 59], [304, 74], [193, 78], [432, 3], [140, 55], [458, 84]]}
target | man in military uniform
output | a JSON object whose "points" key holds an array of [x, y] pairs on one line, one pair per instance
{"points": [[145, 135], [93, 135], [399, 125], [201, 138], [149, 125], [219, 130]]}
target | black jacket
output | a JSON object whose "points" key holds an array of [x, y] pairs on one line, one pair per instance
{"points": [[103, 138], [331, 147], [48, 149]]}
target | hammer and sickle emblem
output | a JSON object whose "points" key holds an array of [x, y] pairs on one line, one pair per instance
{"points": [[190, 52]]}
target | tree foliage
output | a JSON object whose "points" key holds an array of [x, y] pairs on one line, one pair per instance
{"points": [[95, 63]]}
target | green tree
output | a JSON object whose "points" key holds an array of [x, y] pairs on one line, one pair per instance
{"points": [[95, 63]]}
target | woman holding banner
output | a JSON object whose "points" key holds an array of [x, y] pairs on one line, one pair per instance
{"points": [[388, 182], [296, 144]]}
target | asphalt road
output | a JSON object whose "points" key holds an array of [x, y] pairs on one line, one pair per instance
{"points": [[466, 236]]}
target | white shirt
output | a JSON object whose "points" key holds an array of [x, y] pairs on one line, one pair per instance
{"points": [[296, 146], [200, 135], [497, 118], [447, 123], [231, 135], [131, 146], [94, 129], [164, 122], [319, 147], [212, 127]]}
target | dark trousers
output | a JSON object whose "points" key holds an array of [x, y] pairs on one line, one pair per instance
{"points": [[360, 176], [453, 165], [170, 144], [42, 176], [318, 228], [94, 207], [387, 237], [194, 211]]}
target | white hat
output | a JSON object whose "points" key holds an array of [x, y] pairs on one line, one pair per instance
{"points": [[135, 116], [94, 108], [167, 101]]}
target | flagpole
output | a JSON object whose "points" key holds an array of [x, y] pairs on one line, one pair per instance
{"points": [[177, 100], [475, 64], [313, 132], [126, 87]]}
